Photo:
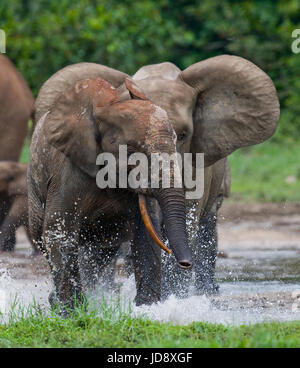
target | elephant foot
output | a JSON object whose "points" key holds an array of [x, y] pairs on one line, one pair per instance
{"points": [[7, 246], [7, 249], [144, 299], [67, 307], [53, 300]]}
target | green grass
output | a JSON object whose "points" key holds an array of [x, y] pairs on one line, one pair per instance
{"points": [[263, 172], [114, 329]]}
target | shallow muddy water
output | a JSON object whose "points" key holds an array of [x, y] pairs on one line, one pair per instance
{"points": [[259, 279]]}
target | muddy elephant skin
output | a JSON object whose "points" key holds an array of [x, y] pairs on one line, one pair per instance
{"points": [[213, 107]]}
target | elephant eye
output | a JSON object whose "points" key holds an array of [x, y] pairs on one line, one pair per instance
{"points": [[181, 136], [131, 149]]}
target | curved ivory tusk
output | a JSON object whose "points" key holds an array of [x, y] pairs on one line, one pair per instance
{"points": [[148, 224]]}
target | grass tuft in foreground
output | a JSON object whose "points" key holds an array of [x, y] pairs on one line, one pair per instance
{"points": [[109, 326]]}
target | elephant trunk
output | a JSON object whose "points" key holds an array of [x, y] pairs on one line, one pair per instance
{"points": [[172, 204], [161, 138]]}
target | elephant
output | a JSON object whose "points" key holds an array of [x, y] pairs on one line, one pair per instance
{"points": [[16, 108], [122, 266], [14, 200], [213, 107]]}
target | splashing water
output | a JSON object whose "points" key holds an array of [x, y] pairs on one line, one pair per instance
{"points": [[21, 293], [250, 290], [238, 303]]}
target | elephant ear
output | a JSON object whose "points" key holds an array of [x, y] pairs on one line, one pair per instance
{"points": [[236, 105], [66, 78], [134, 91], [70, 124]]}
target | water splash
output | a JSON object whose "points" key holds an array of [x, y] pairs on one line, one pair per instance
{"points": [[238, 303], [261, 298], [22, 293]]}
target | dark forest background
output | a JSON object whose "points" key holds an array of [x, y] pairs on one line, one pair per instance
{"points": [[44, 36]]}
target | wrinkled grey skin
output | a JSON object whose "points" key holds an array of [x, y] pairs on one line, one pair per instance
{"points": [[214, 106], [14, 201]]}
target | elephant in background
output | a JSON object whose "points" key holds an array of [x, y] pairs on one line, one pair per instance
{"points": [[16, 108], [14, 201], [215, 106]]}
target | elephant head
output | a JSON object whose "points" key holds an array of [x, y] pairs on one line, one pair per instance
{"points": [[215, 106], [89, 118]]}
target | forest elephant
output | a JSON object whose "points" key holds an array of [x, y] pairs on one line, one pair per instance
{"points": [[85, 110], [16, 108], [13, 192]]}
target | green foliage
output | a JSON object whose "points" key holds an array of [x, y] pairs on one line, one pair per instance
{"points": [[44, 36]]}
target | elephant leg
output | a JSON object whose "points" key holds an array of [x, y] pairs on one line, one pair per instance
{"points": [[206, 255], [61, 242], [93, 260], [5, 204], [24, 220], [8, 236], [125, 258], [35, 249], [35, 223], [9, 226], [146, 257]]}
